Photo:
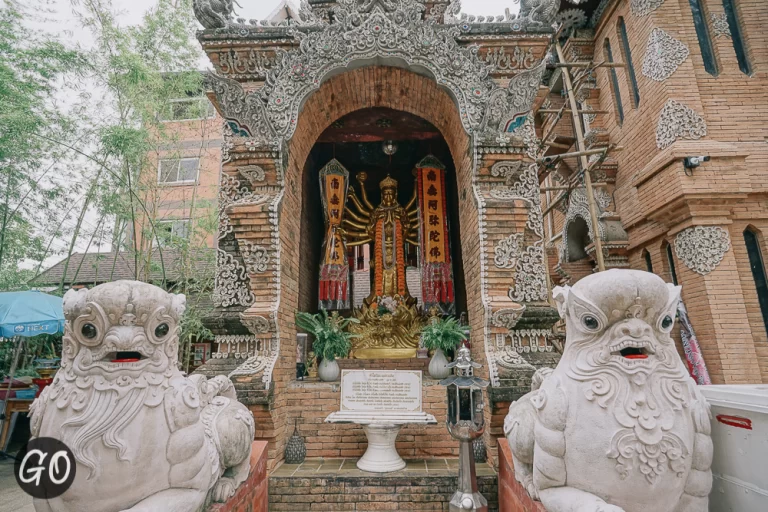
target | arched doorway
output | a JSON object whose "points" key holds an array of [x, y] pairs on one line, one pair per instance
{"points": [[356, 141], [424, 119]]}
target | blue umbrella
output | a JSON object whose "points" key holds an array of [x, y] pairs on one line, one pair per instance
{"points": [[27, 314], [30, 314]]}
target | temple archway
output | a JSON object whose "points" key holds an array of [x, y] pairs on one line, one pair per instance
{"points": [[402, 95]]}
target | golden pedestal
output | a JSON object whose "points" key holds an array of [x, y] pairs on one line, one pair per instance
{"points": [[388, 335]]}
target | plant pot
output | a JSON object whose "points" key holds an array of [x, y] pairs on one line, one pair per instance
{"points": [[329, 370], [438, 366]]}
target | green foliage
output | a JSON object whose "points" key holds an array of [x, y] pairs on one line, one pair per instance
{"points": [[331, 339], [44, 346], [443, 333], [32, 67]]}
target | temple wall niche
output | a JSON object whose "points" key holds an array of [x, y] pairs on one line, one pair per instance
{"points": [[368, 87]]}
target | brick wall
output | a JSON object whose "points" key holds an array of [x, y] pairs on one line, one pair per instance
{"points": [[512, 496], [340, 494], [253, 494], [657, 199], [312, 402]]}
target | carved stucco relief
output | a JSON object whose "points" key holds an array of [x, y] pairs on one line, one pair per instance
{"points": [[702, 248], [256, 257], [677, 121], [720, 26], [508, 250], [644, 7], [663, 55], [253, 173]]}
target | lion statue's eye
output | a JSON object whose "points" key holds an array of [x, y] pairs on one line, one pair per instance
{"points": [[89, 331], [590, 322], [161, 331], [667, 322]]}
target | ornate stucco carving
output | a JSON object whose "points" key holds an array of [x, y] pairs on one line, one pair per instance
{"points": [[663, 55], [702, 248], [257, 324], [232, 286], [508, 108], [578, 206], [677, 121], [253, 173], [644, 7], [648, 421], [256, 257], [571, 18], [139, 428], [502, 60], [539, 12], [530, 277], [213, 13], [508, 317], [364, 31], [507, 251], [720, 26]]}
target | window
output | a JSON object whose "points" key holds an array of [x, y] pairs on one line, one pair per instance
{"points": [[757, 264], [188, 109], [184, 170], [169, 230], [671, 263], [648, 262], [614, 83], [629, 68], [702, 33], [738, 40]]}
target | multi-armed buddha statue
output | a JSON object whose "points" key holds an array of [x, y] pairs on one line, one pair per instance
{"points": [[389, 227], [390, 319]]}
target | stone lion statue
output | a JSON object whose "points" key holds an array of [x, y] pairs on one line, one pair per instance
{"points": [[145, 437], [619, 425]]}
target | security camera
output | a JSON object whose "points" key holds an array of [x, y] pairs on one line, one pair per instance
{"points": [[692, 162], [549, 160]]}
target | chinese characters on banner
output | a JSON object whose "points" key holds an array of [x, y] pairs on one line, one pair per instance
{"points": [[436, 268], [334, 267]]}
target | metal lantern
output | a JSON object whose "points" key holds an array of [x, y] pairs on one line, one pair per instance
{"points": [[465, 422]]}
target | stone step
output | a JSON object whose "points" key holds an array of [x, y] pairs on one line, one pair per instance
{"points": [[338, 485]]}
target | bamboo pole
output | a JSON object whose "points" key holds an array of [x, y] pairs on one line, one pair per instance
{"points": [[583, 159]]}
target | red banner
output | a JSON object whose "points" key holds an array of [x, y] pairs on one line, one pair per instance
{"points": [[436, 268], [334, 268]]}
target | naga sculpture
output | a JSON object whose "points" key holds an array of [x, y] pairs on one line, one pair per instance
{"points": [[539, 12], [145, 437], [214, 13], [619, 425]]}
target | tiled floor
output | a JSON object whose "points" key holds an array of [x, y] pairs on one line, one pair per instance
{"points": [[12, 498], [348, 468]]}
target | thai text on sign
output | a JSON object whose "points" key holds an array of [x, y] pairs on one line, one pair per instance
{"points": [[381, 390]]}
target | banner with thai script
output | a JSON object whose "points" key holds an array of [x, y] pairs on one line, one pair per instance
{"points": [[436, 267], [334, 267]]}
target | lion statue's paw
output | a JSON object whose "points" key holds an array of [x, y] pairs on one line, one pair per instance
{"points": [[223, 490]]}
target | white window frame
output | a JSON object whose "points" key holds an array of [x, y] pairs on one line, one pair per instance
{"points": [[173, 223], [209, 108], [178, 168]]}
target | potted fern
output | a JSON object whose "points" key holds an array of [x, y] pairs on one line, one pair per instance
{"points": [[441, 335], [331, 340]]}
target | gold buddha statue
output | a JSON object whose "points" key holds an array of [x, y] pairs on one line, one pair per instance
{"points": [[390, 323]]}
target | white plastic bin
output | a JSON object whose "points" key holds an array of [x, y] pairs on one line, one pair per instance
{"points": [[740, 438]]}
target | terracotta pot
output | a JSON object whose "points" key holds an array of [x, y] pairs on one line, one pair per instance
{"points": [[329, 370], [438, 366]]}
